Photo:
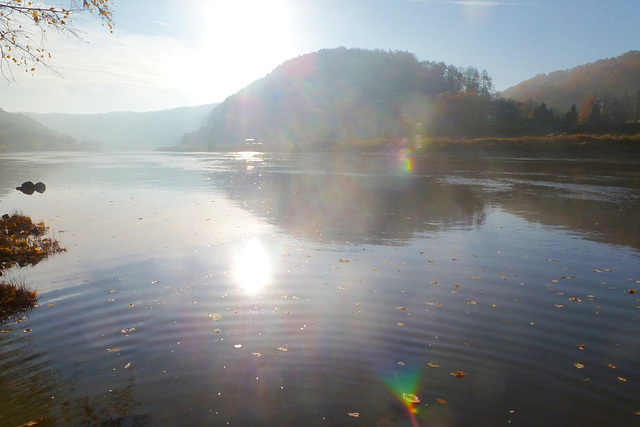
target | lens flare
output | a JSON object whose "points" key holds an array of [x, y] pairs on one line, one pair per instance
{"points": [[405, 386], [406, 159], [252, 269]]}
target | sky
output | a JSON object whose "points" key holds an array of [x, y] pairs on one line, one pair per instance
{"points": [[165, 54]]}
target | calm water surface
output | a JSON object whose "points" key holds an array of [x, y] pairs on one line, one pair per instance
{"points": [[252, 289]]}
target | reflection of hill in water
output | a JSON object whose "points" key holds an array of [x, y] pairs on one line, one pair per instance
{"points": [[353, 199], [372, 199], [598, 201]]}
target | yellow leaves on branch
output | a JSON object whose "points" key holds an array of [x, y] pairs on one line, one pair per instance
{"points": [[27, 46]]}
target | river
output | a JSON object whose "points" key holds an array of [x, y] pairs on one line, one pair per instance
{"points": [[318, 289]]}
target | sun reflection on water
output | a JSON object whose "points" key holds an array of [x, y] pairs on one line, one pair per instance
{"points": [[252, 269]]}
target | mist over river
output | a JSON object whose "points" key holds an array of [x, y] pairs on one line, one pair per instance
{"points": [[318, 289]]}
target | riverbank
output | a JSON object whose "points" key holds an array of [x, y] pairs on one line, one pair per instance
{"points": [[564, 146]]}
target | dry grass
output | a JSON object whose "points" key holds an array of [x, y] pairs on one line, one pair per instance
{"points": [[15, 298], [22, 243]]}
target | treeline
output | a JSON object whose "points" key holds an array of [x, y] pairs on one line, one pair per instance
{"points": [[471, 115]]}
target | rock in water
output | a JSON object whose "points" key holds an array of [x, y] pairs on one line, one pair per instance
{"points": [[29, 187]]}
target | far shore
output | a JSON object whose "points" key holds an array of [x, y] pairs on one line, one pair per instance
{"points": [[579, 145]]}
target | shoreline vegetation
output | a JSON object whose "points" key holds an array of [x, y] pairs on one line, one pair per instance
{"points": [[22, 243], [578, 145]]}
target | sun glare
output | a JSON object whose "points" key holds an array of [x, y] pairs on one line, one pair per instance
{"points": [[252, 269], [241, 41]]}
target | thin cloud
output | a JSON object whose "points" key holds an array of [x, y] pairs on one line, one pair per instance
{"points": [[163, 24]]}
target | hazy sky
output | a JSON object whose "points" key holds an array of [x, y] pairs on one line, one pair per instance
{"points": [[166, 54]]}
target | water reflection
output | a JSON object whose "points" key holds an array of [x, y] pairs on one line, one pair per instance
{"points": [[252, 270], [392, 199], [354, 199]]}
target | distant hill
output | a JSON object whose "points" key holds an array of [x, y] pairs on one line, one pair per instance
{"points": [[19, 132], [614, 78], [128, 130], [335, 95]]}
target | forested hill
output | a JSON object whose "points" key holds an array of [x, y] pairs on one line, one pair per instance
{"points": [[343, 95], [21, 133], [613, 80]]}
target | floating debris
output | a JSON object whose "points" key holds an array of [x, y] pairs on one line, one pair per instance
{"points": [[410, 398], [354, 414], [457, 374]]}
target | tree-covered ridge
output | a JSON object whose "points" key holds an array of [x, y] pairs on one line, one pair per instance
{"points": [[21, 133], [353, 95], [614, 81], [337, 95]]}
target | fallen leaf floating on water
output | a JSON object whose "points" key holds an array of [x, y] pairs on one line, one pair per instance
{"points": [[578, 365], [457, 374], [5, 331], [283, 349], [127, 331], [472, 302], [612, 366], [442, 401], [400, 308], [623, 379], [433, 365], [400, 323], [27, 330], [354, 414], [127, 366], [632, 291], [33, 423], [113, 350], [257, 354], [410, 398], [581, 346]]}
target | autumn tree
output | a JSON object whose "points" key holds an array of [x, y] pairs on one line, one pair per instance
{"points": [[24, 26]]}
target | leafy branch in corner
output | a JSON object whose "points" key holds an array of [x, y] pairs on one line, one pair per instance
{"points": [[24, 26]]}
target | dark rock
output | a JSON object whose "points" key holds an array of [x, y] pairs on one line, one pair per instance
{"points": [[40, 187], [29, 187]]}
